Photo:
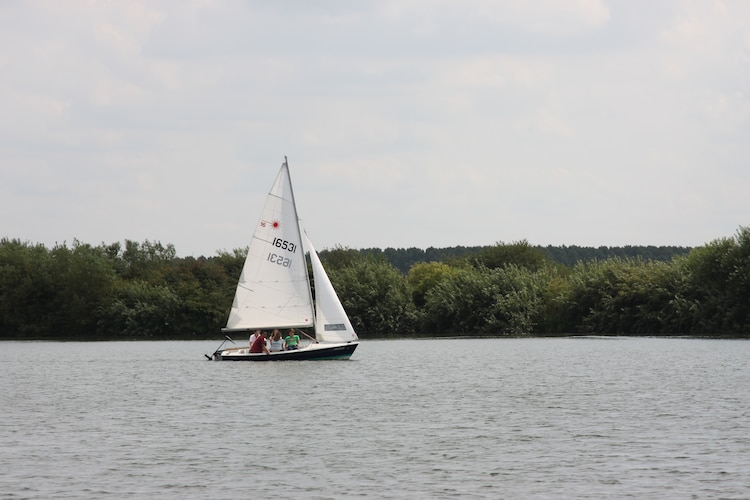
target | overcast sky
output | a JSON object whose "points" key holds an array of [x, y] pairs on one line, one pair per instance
{"points": [[407, 123]]}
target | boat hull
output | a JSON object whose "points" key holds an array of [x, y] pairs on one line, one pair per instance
{"points": [[310, 352]]}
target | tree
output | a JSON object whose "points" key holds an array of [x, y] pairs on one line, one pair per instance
{"points": [[718, 285], [52, 292], [139, 310], [623, 296], [205, 291], [84, 283], [519, 253], [423, 277], [375, 296], [341, 257], [27, 287], [498, 301], [145, 260]]}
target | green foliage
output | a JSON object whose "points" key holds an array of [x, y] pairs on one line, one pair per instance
{"points": [[26, 287], [375, 296], [718, 285], [500, 301], [232, 262], [519, 253], [145, 260], [341, 257], [622, 296], [85, 282], [53, 292], [205, 288], [423, 277], [572, 255], [139, 310], [142, 290], [404, 259], [87, 292]]}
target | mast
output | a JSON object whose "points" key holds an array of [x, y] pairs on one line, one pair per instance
{"points": [[299, 229]]}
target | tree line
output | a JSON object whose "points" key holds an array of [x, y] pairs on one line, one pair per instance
{"points": [[404, 258], [142, 290]]}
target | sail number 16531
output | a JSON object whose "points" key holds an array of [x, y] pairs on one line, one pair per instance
{"points": [[279, 260], [284, 245]]}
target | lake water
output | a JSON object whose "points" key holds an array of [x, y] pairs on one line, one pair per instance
{"points": [[500, 418]]}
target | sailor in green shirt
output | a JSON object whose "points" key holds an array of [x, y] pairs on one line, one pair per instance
{"points": [[292, 341]]}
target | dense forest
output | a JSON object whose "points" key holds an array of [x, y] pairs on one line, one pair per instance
{"points": [[404, 258], [144, 291]]}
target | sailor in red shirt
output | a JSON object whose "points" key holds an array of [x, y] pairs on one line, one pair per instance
{"points": [[259, 345]]}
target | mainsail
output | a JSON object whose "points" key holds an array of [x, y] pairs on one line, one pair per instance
{"points": [[274, 289]]}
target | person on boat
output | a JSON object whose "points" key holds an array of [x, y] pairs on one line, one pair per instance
{"points": [[292, 340], [259, 345], [254, 336], [277, 343]]}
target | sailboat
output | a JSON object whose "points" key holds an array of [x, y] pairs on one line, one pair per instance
{"points": [[275, 289]]}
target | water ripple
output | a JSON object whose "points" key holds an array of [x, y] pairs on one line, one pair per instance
{"points": [[504, 418]]}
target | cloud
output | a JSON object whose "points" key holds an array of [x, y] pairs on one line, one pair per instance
{"points": [[406, 123]]}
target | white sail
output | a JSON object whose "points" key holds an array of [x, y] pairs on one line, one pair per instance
{"points": [[274, 288], [331, 322]]}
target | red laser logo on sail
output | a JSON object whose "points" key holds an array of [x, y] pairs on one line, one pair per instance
{"points": [[275, 224]]}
